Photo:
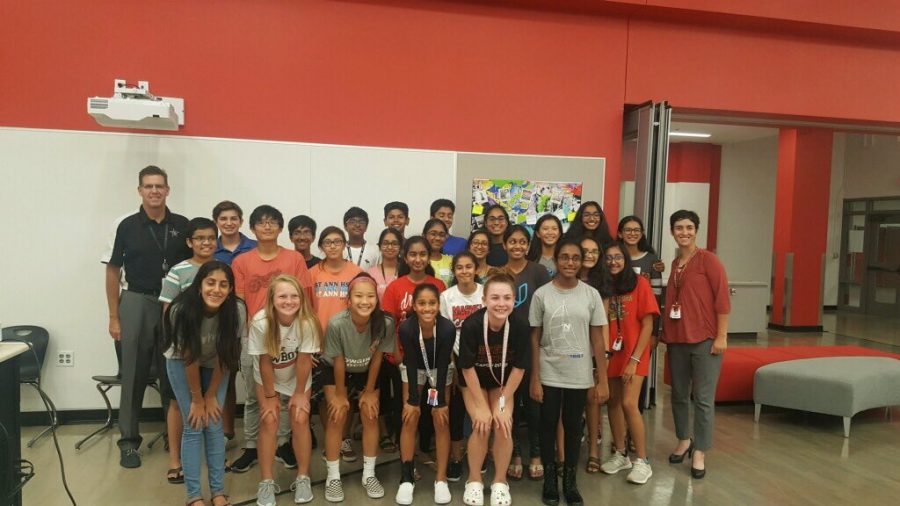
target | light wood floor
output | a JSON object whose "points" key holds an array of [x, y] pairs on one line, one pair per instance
{"points": [[789, 458]]}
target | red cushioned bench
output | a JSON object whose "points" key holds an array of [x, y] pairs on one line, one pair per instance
{"points": [[740, 364]]}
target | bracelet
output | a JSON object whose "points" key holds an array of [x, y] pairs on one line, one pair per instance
{"points": [[272, 396], [635, 360]]}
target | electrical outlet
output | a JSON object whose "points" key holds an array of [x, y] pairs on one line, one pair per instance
{"points": [[65, 359]]}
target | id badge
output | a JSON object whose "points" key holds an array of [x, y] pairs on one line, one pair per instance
{"points": [[501, 403], [675, 312], [432, 397], [617, 344]]}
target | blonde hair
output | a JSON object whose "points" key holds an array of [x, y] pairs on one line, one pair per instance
{"points": [[306, 315]]}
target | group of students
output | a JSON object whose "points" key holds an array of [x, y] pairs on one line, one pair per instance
{"points": [[413, 336]]}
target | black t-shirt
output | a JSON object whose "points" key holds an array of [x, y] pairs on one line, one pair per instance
{"points": [[312, 262], [496, 255], [532, 277], [444, 337], [144, 247], [472, 352]]}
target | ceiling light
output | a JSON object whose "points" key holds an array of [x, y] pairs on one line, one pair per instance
{"points": [[689, 134]]}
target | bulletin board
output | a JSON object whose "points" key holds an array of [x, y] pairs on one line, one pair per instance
{"points": [[525, 200]]}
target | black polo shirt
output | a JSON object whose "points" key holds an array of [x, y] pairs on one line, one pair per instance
{"points": [[147, 249]]}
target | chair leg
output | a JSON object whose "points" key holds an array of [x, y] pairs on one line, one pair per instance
{"points": [[163, 433], [103, 389], [51, 412]]}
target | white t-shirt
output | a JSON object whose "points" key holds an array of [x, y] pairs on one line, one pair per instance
{"points": [[365, 256], [294, 341], [456, 307]]}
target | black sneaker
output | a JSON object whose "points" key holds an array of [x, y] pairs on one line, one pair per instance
{"points": [[130, 458], [285, 455], [245, 461], [454, 471]]}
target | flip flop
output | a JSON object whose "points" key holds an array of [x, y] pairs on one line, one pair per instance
{"points": [[514, 472], [535, 472], [175, 475], [227, 499], [593, 465], [387, 445]]}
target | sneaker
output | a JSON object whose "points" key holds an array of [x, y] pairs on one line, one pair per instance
{"points": [[334, 490], [373, 487], [641, 472], [245, 461], [347, 453], [265, 493], [500, 495], [130, 458], [442, 493], [616, 463], [454, 471], [285, 455], [405, 493], [302, 490]]}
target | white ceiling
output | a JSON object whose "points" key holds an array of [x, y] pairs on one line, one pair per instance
{"points": [[721, 134]]}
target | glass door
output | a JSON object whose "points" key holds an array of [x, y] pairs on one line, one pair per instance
{"points": [[883, 270], [852, 272]]}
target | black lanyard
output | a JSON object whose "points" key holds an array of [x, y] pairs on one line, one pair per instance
{"points": [[162, 247], [359, 260]]}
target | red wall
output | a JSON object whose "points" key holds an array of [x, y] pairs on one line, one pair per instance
{"points": [[698, 162], [440, 75]]}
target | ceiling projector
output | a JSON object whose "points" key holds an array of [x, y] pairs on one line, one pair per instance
{"points": [[135, 107]]}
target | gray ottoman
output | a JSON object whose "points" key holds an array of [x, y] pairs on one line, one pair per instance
{"points": [[841, 386]]}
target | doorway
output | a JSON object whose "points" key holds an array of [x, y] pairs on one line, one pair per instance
{"points": [[870, 257]]}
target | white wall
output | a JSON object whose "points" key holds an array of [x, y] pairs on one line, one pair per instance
{"points": [[690, 196], [747, 209]]}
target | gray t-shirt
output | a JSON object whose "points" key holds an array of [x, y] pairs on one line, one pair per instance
{"points": [[343, 340], [565, 317], [209, 331]]}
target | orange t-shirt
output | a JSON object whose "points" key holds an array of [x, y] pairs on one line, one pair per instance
{"points": [[252, 275], [635, 305], [331, 290]]}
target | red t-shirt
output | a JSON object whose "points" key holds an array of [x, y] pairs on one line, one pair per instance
{"points": [[252, 275], [703, 295], [637, 304], [397, 302]]}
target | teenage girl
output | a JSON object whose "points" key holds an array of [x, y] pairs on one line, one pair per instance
{"points": [[479, 244], [496, 221], [283, 337], [493, 357], [568, 324], [389, 243], [548, 230], [355, 340], [427, 339], [203, 328], [529, 276], [631, 311], [590, 222], [414, 270], [436, 232], [458, 302]]}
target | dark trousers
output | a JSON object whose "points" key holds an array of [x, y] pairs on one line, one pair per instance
{"points": [[570, 402], [529, 411], [391, 397], [140, 316]]}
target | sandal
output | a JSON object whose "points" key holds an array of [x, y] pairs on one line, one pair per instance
{"points": [[474, 494], [175, 476], [535, 472], [593, 465], [387, 445], [227, 500], [514, 472]]}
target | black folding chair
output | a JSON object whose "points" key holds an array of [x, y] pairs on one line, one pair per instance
{"points": [[30, 365]]}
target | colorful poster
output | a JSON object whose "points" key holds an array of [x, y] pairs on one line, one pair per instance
{"points": [[525, 200]]}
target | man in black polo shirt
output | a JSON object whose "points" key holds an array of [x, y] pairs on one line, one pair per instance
{"points": [[147, 243]]}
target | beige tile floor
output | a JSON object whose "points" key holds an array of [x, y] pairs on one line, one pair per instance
{"points": [[788, 458]]}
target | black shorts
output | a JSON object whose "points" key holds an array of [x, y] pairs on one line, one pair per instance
{"points": [[354, 381]]}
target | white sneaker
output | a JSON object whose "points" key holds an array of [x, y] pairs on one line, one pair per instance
{"points": [[641, 472], [500, 495], [405, 493], [616, 463], [442, 493], [302, 490]]}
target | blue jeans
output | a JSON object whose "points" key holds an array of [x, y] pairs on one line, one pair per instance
{"points": [[192, 440]]}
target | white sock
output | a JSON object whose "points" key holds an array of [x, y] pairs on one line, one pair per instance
{"points": [[334, 469], [368, 468]]}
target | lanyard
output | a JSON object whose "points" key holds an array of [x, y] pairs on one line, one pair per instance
{"points": [[431, 373], [619, 314], [487, 350], [679, 274], [162, 247], [359, 260]]}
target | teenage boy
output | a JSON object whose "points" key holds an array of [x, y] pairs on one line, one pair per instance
{"points": [[443, 210], [303, 233], [147, 243], [396, 215], [356, 221], [252, 272], [229, 217], [201, 238]]}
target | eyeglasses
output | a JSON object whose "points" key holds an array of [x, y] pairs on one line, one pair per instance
{"points": [[204, 239], [268, 223], [150, 187], [356, 222], [389, 244], [436, 234], [592, 252], [632, 230], [496, 219], [595, 216], [566, 259], [328, 243], [615, 258], [479, 244]]}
